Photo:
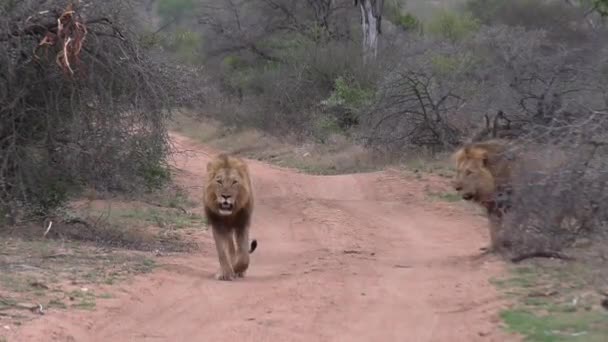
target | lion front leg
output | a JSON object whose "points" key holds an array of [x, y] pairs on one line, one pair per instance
{"points": [[231, 245], [494, 225], [242, 256], [222, 239]]}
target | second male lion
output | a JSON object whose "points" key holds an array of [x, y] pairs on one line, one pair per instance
{"points": [[490, 173], [483, 169], [484, 173], [228, 200]]}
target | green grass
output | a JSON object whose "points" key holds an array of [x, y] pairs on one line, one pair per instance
{"points": [[553, 303], [427, 164], [83, 299], [556, 326], [45, 271], [444, 196], [7, 303], [448, 197], [341, 156], [33, 272], [56, 303], [173, 219]]}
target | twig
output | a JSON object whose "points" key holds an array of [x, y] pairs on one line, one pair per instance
{"points": [[48, 229], [541, 254]]}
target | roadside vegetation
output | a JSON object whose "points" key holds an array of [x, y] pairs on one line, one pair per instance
{"points": [[90, 91]]}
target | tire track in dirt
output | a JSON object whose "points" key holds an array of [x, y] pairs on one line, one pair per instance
{"points": [[340, 258]]}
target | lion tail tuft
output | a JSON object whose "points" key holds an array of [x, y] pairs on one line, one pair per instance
{"points": [[254, 245]]}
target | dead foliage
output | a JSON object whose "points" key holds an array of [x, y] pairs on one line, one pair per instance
{"points": [[81, 103]]}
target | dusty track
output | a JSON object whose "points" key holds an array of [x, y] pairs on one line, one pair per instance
{"points": [[342, 258]]}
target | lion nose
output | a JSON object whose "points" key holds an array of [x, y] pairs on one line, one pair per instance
{"points": [[225, 198]]}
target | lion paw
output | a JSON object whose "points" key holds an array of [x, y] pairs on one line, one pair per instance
{"points": [[221, 275], [240, 274]]}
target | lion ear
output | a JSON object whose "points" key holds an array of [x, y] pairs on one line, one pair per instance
{"points": [[478, 154]]}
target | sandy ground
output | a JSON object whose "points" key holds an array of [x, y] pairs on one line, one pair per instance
{"points": [[340, 258]]}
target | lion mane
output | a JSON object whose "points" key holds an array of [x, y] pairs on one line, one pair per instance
{"points": [[484, 172]]}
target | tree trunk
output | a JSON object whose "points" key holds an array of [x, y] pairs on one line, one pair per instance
{"points": [[371, 19]]}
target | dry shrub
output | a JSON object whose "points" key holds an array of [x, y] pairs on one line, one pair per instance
{"points": [[80, 103], [559, 189]]}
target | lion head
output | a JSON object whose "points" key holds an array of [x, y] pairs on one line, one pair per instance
{"points": [[480, 169], [228, 187]]}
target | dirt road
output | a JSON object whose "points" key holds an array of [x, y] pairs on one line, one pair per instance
{"points": [[340, 258]]}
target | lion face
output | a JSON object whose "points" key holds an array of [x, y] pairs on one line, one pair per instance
{"points": [[226, 187], [227, 190], [474, 180]]}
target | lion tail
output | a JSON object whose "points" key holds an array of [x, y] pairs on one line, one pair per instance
{"points": [[254, 245]]}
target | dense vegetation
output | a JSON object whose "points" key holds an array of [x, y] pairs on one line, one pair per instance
{"points": [[531, 71], [82, 103], [92, 111]]}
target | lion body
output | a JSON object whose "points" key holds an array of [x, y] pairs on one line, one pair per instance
{"points": [[490, 173], [228, 201]]}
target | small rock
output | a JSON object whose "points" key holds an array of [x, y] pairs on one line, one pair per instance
{"points": [[84, 289], [6, 327]]}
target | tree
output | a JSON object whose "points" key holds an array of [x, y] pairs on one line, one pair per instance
{"points": [[601, 7], [82, 103], [371, 25], [173, 11]]}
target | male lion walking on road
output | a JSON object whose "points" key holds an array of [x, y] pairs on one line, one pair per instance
{"points": [[228, 200]]}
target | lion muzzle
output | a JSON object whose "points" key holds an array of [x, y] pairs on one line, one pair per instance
{"points": [[226, 205]]}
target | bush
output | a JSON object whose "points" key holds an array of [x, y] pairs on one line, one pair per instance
{"points": [[186, 45], [92, 114], [452, 26], [346, 101], [564, 23], [172, 10], [559, 194], [312, 81], [394, 12]]}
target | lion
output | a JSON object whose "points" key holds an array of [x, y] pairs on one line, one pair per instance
{"points": [[228, 201], [484, 173], [482, 170], [489, 173]]}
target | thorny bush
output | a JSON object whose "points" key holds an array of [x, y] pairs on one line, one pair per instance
{"points": [[508, 82], [80, 103]]}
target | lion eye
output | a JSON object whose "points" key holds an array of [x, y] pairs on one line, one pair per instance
{"points": [[219, 181], [234, 182], [468, 172]]}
